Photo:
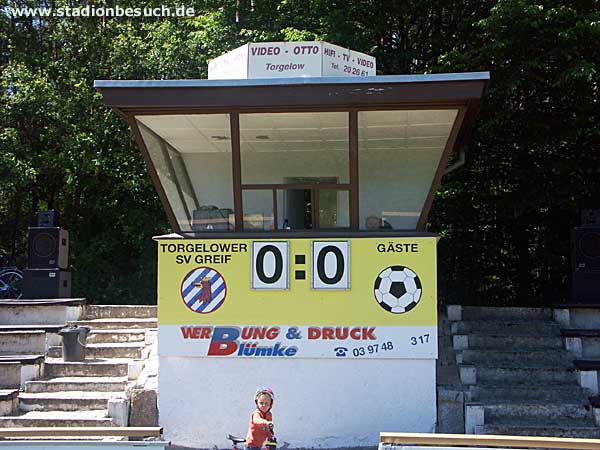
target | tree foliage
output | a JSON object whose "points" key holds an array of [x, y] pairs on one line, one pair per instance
{"points": [[505, 217]]}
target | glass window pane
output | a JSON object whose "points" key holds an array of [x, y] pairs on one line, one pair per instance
{"points": [[399, 153], [199, 152], [277, 146], [166, 175], [334, 209], [258, 210], [187, 191]]}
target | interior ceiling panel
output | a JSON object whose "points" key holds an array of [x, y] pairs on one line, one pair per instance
{"points": [[208, 133]]}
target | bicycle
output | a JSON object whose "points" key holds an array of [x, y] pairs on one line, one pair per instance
{"points": [[271, 444], [11, 279]]}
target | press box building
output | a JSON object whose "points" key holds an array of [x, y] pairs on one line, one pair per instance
{"points": [[297, 184]]}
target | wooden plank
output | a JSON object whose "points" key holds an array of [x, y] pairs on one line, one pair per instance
{"points": [[489, 440], [80, 431]]}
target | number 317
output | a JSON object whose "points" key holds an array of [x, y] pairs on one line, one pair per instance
{"points": [[423, 339]]}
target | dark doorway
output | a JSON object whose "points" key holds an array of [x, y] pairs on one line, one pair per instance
{"points": [[297, 209]]}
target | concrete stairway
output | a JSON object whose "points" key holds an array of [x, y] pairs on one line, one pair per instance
{"points": [[93, 392], [516, 375]]}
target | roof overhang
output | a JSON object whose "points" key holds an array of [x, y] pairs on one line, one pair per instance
{"points": [[291, 94]]}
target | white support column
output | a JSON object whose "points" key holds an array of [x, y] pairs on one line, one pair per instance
{"points": [[468, 374], [118, 411], [588, 379], [596, 412], [474, 418]]}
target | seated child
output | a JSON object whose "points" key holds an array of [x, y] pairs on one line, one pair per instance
{"points": [[261, 422]]}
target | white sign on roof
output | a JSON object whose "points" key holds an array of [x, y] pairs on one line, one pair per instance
{"points": [[290, 60]]}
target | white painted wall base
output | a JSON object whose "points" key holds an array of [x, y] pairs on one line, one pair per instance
{"points": [[323, 403]]}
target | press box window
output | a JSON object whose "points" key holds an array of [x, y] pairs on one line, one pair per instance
{"points": [[295, 170], [192, 157], [398, 155]]}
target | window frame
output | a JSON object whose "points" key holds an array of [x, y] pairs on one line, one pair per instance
{"points": [[353, 167]]}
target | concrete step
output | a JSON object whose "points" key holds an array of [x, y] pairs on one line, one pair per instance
{"points": [[17, 369], [8, 401], [115, 335], [445, 341], [444, 327], [564, 422], [537, 412], [89, 368], [120, 311], [41, 311], [508, 342], [582, 431], [544, 328], [23, 342], [108, 350], [447, 376], [446, 358], [556, 358], [95, 384], [105, 324], [10, 375], [525, 375], [66, 401], [506, 314], [550, 393], [590, 347], [92, 418]]}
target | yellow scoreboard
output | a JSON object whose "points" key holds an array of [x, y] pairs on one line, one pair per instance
{"points": [[298, 298]]}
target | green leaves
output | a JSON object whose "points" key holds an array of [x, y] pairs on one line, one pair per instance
{"points": [[537, 153], [533, 161]]}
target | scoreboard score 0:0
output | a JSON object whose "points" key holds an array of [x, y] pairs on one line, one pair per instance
{"points": [[338, 281], [330, 263]]}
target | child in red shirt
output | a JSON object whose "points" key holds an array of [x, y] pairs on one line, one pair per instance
{"points": [[261, 422]]}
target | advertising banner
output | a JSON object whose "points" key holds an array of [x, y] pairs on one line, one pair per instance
{"points": [[289, 60], [298, 298]]}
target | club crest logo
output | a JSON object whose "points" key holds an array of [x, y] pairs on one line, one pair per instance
{"points": [[203, 290]]}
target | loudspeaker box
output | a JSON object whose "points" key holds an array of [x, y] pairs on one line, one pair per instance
{"points": [[47, 218], [46, 283], [585, 263], [48, 248]]}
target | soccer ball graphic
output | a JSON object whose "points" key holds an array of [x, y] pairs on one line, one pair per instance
{"points": [[398, 289]]}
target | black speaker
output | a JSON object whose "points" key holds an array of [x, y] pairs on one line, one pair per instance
{"points": [[46, 283], [590, 218], [585, 264], [48, 248], [47, 218]]}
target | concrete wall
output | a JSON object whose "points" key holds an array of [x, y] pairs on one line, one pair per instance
{"points": [[319, 403]]}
